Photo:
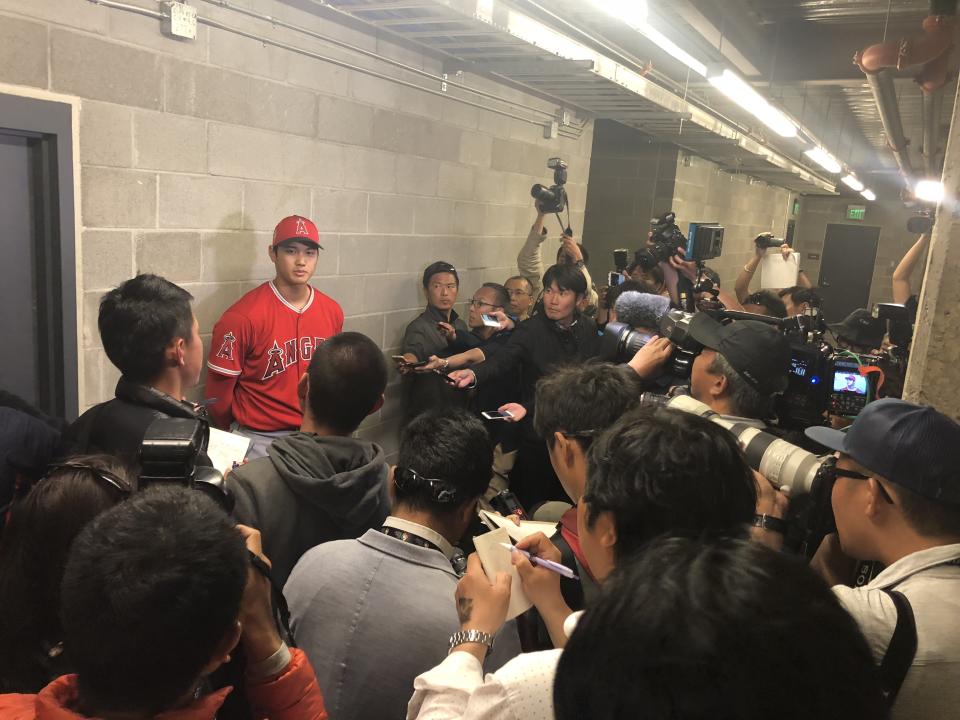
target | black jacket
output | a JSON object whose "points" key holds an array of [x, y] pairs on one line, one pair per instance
{"points": [[537, 346], [117, 427], [423, 391]]}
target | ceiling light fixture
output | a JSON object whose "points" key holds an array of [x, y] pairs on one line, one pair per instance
{"points": [[929, 191], [851, 182], [869, 195], [824, 159], [738, 90]]}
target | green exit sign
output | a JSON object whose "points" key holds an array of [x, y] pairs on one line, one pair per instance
{"points": [[856, 212]]}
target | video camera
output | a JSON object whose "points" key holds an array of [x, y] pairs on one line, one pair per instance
{"points": [[705, 242], [767, 240], [552, 199], [920, 224], [620, 342], [174, 451]]}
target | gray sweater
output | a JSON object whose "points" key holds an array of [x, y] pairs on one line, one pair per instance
{"points": [[372, 614]]}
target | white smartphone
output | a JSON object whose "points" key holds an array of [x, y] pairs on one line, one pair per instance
{"points": [[490, 321], [496, 415]]}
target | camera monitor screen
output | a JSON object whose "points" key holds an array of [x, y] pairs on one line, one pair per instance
{"points": [[849, 382]]}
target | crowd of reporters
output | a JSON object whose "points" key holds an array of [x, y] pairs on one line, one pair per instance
{"points": [[323, 578]]}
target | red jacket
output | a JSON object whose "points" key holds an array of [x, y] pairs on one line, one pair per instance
{"points": [[292, 695]]}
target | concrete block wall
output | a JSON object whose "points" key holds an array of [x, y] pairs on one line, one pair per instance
{"points": [[192, 151], [889, 215]]}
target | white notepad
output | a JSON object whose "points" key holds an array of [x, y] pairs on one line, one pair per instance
{"points": [[496, 558], [224, 449], [517, 532]]}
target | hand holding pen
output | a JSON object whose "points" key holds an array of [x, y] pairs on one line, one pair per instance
{"points": [[540, 575]]}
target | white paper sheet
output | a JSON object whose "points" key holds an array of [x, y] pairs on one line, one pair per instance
{"points": [[776, 273], [496, 558], [225, 448], [517, 532]]}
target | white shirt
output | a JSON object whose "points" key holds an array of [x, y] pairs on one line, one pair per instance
{"points": [[422, 532], [932, 685], [520, 690]]}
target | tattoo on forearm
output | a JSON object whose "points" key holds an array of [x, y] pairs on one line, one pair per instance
{"points": [[464, 608]]}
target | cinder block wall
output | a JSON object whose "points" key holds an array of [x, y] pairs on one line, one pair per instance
{"points": [[191, 152]]}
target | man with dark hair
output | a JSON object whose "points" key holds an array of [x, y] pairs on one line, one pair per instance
{"points": [[379, 609], [262, 343], [150, 333], [743, 366], [765, 302], [437, 330], [157, 593], [654, 471], [688, 631], [320, 483], [556, 336], [522, 296], [799, 300], [897, 501]]}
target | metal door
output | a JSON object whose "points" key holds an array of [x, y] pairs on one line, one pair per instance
{"points": [[846, 269]]}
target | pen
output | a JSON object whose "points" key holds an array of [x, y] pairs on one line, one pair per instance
{"points": [[548, 564]]}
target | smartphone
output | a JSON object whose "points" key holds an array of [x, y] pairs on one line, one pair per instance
{"points": [[490, 321], [496, 415], [421, 363], [614, 279], [399, 358], [446, 378]]}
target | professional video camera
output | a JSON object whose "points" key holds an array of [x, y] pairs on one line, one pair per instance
{"points": [[552, 199], [922, 223], [173, 451], [809, 478], [704, 242], [620, 342]]}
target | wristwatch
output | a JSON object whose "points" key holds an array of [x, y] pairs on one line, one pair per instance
{"points": [[471, 636], [771, 523]]}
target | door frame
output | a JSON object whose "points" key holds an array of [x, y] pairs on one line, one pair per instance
{"points": [[51, 120]]}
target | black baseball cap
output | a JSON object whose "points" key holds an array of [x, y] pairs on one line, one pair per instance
{"points": [[757, 351], [439, 267], [913, 446], [861, 328]]}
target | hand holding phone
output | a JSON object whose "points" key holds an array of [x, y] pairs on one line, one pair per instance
{"points": [[490, 321], [496, 415]]}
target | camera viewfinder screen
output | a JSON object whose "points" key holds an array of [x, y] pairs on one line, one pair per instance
{"points": [[849, 382]]}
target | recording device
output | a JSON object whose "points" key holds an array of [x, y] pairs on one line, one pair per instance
{"points": [[496, 415], [620, 342], [174, 451], [490, 321], [767, 240], [506, 503], [704, 241], [920, 224], [899, 322], [614, 279], [809, 477], [418, 364], [552, 199], [665, 238], [620, 260]]}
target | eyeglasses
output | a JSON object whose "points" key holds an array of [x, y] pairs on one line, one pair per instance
{"points": [[442, 492], [480, 303], [112, 481], [840, 472]]}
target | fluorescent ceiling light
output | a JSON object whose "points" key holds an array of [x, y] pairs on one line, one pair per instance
{"points": [[851, 182], [738, 90], [929, 191], [634, 14], [869, 195], [824, 159]]}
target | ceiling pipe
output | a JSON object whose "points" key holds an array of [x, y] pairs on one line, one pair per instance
{"points": [[932, 108], [931, 52]]}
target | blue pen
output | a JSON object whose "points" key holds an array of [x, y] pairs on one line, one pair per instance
{"points": [[541, 562]]}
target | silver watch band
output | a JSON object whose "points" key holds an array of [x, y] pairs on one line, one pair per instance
{"points": [[471, 636]]}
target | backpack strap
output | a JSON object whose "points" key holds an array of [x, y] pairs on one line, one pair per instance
{"points": [[902, 649]]}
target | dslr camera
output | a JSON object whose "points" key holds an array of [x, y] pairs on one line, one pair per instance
{"points": [[704, 242], [552, 199]]}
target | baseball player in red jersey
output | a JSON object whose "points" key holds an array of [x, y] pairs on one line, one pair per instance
{"points": [[263, 343]]}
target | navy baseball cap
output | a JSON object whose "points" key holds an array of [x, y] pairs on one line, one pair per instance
{"points": [[861, 328], [913, 446], [758, 352]]}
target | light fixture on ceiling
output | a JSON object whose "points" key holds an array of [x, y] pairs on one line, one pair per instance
{"points": [[851, 182], [869, 195], [824, 159], [929, 191], [738, 90]]}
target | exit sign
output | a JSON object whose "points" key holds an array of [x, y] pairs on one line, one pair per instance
{"points": [[856, 212]]}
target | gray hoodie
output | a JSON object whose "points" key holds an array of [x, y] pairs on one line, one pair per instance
{"points": [[309, 490]]}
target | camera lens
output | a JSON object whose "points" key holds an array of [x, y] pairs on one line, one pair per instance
{"points": [[543, 194]]}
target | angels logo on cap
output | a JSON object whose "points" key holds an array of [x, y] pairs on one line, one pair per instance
{"points": [[296, 227]]}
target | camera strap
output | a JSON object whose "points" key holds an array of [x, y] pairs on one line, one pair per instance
{"points": [[902, 649], [281, 611]]}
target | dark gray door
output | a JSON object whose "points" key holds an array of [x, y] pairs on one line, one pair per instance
{"points": [[18, 317], [846, 269]]}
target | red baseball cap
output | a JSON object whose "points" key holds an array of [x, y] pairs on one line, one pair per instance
{"points": [[296, 227]]}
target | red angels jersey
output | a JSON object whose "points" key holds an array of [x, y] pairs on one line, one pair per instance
{"points": [[266, 343]]}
